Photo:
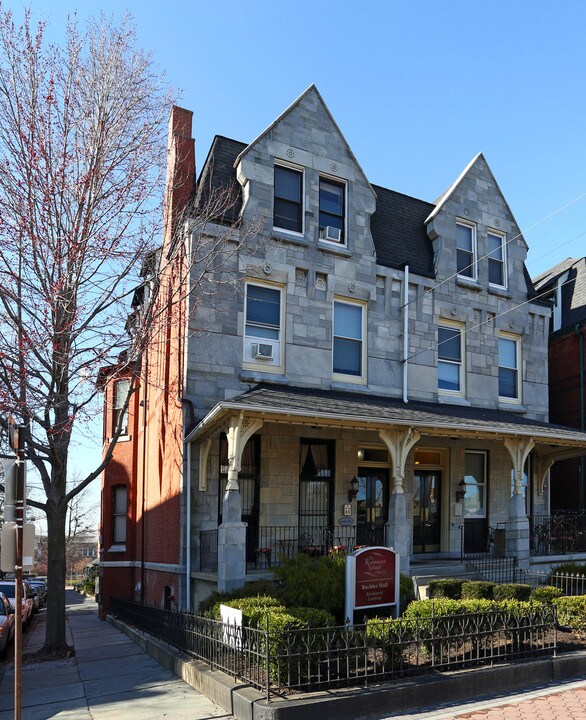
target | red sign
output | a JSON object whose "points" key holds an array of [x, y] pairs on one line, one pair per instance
{"points": [[375, 577]]}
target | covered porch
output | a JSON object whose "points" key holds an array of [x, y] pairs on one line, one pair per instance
{"points": [[282, 470]]}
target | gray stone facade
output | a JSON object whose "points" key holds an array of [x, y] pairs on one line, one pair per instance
{"points": [[311, 274]]}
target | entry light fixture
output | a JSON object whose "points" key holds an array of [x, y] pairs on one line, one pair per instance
{"points": [[360, 454], [461, 491], [353, 492]]}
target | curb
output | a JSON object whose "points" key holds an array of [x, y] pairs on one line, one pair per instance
{"points": [[412, 694]]}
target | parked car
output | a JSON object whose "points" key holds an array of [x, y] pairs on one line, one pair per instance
{"points": [[40, 587], [32, 594], [6, 624], [8, 588]]}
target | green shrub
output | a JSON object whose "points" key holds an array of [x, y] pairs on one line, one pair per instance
{"points": [[313, 582], [406, 592], [572, 613], [546, 594], [512, 591], [313, 617], [391, 635], [477, 590], [250, 589], [446, 588]]}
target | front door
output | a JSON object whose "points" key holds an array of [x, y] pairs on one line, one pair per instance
{"points": [[372, 504], [426, 511]]}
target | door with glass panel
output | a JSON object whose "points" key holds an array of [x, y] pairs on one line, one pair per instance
{"points": [[372, 503], [426, 511]]}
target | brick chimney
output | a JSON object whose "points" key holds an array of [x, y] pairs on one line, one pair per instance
{"points": [[180, 186]]}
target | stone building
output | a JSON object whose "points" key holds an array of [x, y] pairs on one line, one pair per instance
{"points": [[374, 372]]}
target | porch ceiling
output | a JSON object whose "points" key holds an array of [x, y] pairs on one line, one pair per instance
{"points": [[334, 408]]}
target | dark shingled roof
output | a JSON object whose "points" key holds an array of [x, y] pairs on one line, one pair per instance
{"points": [[360, 406], [573, 290], [218, 178], [399, 234]]}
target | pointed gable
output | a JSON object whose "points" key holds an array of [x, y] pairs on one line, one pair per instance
{"points": [[476, 239]]}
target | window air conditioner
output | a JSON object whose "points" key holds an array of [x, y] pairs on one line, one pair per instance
{"points": [[331, 233], [262, 351]]}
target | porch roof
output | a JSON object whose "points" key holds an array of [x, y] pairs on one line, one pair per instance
{"points": [[335, 408]]}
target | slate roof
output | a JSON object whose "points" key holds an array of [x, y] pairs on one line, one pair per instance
{"points": [[218, 175], [362, 408], [397, 225], [573, 289]]}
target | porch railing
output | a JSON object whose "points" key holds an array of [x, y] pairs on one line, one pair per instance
{"points": [[268, 546], [321, 658], [558, 534], [486, 554]]}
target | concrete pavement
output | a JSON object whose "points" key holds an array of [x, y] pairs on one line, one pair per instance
{"points": [[109, 678]]}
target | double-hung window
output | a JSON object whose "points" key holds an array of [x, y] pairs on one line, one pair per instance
{"points": [[475, 484], [509, 386], [497, 264], [120, 414], [449, 359], [288, 200], [331, 210], [348, 350], [263, 325], [119, 508], [466, 249]]}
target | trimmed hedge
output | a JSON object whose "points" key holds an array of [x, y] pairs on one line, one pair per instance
{"points": [[478, 590], [512, 591], [546, 594], [445, 588], [572, 613]]}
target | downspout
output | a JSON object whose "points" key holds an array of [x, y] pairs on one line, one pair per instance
{"points": [[405, 333], [580, 331], [188, 532]]}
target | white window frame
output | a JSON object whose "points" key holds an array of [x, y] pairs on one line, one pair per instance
{"points": [[250, 362], [356, 379], [474, 264], [517, 340], [119, 512], [121, 389], [337, 181], [301, 171], [483, 485], [450, 325], [503, 261]]}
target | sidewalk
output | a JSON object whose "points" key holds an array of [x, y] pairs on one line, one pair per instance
{"points": [[110, 677]]}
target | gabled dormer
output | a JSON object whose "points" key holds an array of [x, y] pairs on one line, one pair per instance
{"points": [[302, 178], [475, 237]]}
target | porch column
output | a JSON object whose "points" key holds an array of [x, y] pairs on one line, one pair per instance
{"points": [[232, 531], [399, 444], [517, 534]]}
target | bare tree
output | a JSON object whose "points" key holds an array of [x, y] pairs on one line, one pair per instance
{"points": [[82, 156], [82, 150]]}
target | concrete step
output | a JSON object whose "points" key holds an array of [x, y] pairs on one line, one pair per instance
{"points": [[424, 572]]}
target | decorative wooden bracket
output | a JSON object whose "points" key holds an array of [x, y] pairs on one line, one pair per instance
{"points": [[519, 451], [399, 444]]}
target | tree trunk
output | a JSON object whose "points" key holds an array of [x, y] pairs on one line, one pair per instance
{"points": [[55, 639]]}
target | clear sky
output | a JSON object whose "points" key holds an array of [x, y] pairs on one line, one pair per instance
{"points": [[418, 87]]}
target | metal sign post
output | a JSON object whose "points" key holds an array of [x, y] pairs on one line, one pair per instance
{"points": [[15, 438]]}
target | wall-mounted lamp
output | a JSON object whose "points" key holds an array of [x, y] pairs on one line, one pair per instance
{"points": [[353, 492], [461, 491], [360, 454]]}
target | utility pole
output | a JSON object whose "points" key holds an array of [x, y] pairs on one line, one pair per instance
{"points": [[16, 443]]}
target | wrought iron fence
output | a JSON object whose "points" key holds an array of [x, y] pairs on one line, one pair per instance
{"points": [[208, 550], [557, 534], [321, 658], [568, 583]]}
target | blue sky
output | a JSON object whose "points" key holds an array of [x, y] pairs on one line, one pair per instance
{"points": [[418, 87]]}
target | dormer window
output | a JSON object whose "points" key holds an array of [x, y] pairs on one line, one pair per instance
{"points": [[288, 201], [466, 249], [332, 207]]}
